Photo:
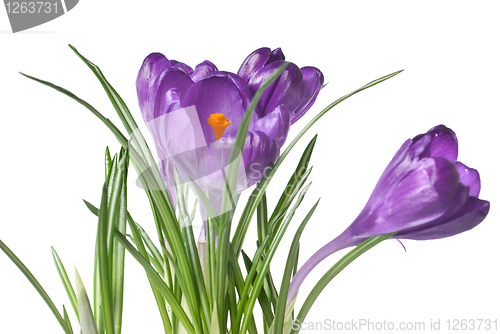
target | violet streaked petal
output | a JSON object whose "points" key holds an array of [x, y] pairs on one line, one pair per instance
{"points": [[147, 83], [472, 213], [255, 61], [444, 143], [258, 154], [223, 93], [275, 124], [313, 82], [171, 79], [288, 89], [275, 55], [425, 194], [470, 178], [202, 70]]}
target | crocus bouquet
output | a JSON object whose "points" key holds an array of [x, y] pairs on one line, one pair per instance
{"points": [[216, 134]]}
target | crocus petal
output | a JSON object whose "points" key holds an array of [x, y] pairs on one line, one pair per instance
{"points": [[470, 178], [255, 61], [223, 93], [288, 89], [444, 143], [181, 66], [202, 70], [259, 153], [275, 55], [147, 83], [313, 82], [171, 79], [422, 196], [472, 213], [275, 124]]}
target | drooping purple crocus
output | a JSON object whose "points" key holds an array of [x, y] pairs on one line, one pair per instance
{"points": [[194, 115], [423, 194]]}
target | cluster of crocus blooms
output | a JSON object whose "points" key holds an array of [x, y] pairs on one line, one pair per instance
{"points": [[194, 115], [424, 193]]}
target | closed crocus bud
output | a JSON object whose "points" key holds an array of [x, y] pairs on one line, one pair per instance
{"points": [[296, 88], [423, 194]]}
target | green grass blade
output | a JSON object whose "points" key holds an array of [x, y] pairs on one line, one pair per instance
{"points": [[264, 266], [262, 220], [158, 283], [121, 138], [36, 285], [167, 324], [118, 260], [66, 282], [279, 318], [87, 321], [66, 318], [244, 223], [336, 269], [264, 302], [104, 265]]}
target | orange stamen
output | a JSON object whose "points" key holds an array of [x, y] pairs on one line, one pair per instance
{"points": [[219, 123]]}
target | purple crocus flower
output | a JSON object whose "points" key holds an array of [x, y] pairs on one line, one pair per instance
{"points": [[423, 194], [194, 115]]}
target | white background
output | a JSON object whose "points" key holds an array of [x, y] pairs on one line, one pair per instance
{"points": [[52, 148]]}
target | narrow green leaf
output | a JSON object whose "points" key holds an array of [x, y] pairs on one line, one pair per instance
{"points": [[262, 221], [158, 283], [281, 310], [107, 162], [334, 271], [265, 305], [118, 259], [87, 321], [104, 265], [36, 285], [264, 266], [66, 318], [66, 282]]}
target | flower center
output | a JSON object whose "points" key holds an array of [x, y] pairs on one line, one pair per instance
{"points": [[219, 123]]}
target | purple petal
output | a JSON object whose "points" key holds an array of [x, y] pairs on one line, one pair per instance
{"points": [[254, 62], [258, 154], [202, 70], [223, 93], [472, 213], [275, 124], [147, 83], [470, 178], [313, 82], [444, 143], [425, 194], [171, 79], [275, 55], [288, 89], [181, 66]]}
